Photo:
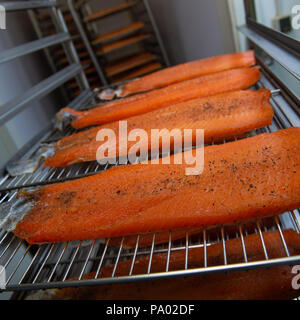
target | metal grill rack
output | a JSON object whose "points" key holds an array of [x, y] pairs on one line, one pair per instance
{"points": [[101, 45], [42, 22], [98, 67], [51, 265], [33, 267]]}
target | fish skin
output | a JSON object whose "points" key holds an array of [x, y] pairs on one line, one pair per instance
{"points": [[187, 71], [241, 180], [225, 115], [256, 284], [209, 85]]}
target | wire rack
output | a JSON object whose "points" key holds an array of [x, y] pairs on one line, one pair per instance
{"points": [[32, 267]]}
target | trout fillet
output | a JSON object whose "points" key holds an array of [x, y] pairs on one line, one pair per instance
{"points": [[261, 284], [187, 71], [241, 180], [210, 85], [223, 115]]}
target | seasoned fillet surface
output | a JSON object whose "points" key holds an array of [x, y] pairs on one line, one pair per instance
{"points": [[220, 116], [253, 177], [204, 86], [265, 283], [188, 70]]}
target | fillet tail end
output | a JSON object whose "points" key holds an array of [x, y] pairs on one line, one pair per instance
{"points": [[19, 167], [12, 212], [64, 117]]}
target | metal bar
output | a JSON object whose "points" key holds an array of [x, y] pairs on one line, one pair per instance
{"points": [[72, 261], [286, 59], [10, 242], [57, 262], [186, 260], [224, 246], [87, 259], [13, 253], [159, 275], [118, 258], [151, 254], [273, 35], [271, 80], [295, 220], [157, 33], [43, 263], [102, 258], [18, 264], [134, 254], [32, 46], [30, 265], [71, 53], [243, 243], [16, 105], [169, 251], [282, 237], [282, 106], [26, 5], [262, 240], [87, 42], [38, 31], [4, 237], [204, 248], [129, 254]]}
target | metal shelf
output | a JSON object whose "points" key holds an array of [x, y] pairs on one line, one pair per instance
{"points": [[107, 12], [95, 47], [286, 59], [13, 107], [53, 265], [118, 33], [26, 5], [33, 46]]}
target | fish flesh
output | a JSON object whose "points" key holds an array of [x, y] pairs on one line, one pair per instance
{"points": [[188, 70], [220, 116], [179, 235], [204, 86], [241, 180], [274, 283]]}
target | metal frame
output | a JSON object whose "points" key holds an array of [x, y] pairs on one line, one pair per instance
{"points": [[157, 33], [287, 60], [27, 5], [280, 47], [51, 265], [86, 41], [74, 69], [280, 39], [71, 53], [56, 15], [101, 73]]}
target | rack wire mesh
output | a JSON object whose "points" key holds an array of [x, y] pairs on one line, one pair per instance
{"points": [[53, 265]]}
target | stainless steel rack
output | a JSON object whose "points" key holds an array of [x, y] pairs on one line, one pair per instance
{"points": [[73, 69], [33, 267], [51, 265], [88, 30], [42, 22]]}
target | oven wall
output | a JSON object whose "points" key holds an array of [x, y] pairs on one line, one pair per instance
{"points": [[194, 29]]}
